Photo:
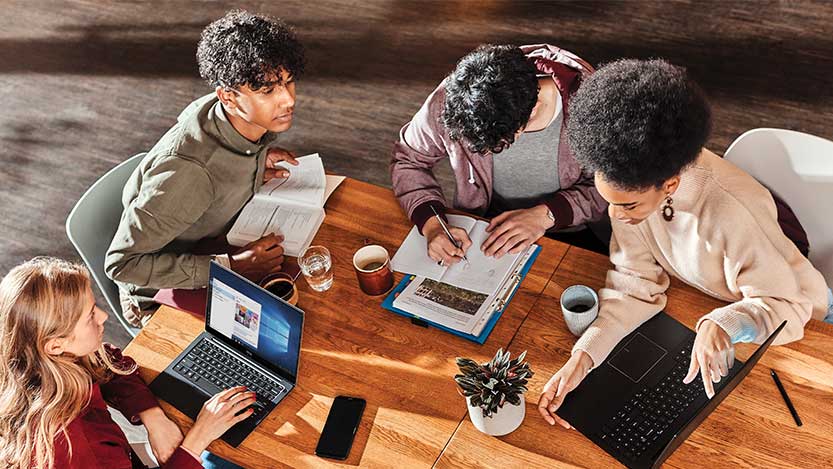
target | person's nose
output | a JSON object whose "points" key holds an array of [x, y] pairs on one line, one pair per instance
{"points": [[616, 212], [286, 97], [104, 316]]}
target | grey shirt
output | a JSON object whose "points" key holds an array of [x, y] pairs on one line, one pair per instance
{"points": [[189, 187], [527, 172]]}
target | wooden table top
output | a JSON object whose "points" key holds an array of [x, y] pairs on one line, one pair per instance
{"points": [[353, 346], [750, 428]]}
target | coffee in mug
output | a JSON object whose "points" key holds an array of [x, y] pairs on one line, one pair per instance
{"points": [[580, 306], [372, 266], [281, 285]]}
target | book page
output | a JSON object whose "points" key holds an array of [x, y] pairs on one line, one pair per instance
{"points": [[443, 304], [306, 183], [481, 273], [262, 216], [412, 256], [332, 184]]}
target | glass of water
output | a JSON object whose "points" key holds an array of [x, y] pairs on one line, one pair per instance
{"points": [[317, 266]]}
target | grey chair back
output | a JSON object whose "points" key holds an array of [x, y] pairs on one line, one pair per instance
{"points": [[92, 223]]}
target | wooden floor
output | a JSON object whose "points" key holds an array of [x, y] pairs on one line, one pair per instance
{"points": [[84, 85]]}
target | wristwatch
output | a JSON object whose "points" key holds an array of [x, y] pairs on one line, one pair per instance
{"points": [[550, 215]]}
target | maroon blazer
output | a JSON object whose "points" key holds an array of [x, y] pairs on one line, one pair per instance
{"points": [[97, 442]]}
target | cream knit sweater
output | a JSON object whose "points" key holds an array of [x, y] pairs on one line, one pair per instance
{"points": [[725, 241]]}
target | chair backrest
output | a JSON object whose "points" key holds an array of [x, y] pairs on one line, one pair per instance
{"points": [[799, 168], [92, 223]]}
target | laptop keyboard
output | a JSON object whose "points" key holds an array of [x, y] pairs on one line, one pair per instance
{"points": [[208, 362], [649, 412]]}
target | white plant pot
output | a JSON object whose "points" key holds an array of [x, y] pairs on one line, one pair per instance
{"points": [[500, 423]]}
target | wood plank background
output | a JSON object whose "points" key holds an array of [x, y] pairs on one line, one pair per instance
{"points": [[86, 84]]}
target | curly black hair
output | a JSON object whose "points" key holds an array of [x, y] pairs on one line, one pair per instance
{"points": [[638, 122], [245, 49], [489, 97]]}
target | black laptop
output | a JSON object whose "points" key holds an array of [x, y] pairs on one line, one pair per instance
{"points": [[635, 405], [252, 338]]}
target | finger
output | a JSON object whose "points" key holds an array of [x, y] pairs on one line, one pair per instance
{"points": [[714, 369], [243, 416], [693, 367], [224, 395], [466, 242], [277, 266], [270, 241], [554, 405], [493, 236], [275, 155], [291, 158], [707, 381], [543, 404], [495, 239], [497, 221], [521, 247], [731, 357], [510, 244], [275, 173], [722, 361], [500, 243], [242, 399]]}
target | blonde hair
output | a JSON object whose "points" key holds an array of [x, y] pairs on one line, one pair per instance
{"points": [[40, 393]]}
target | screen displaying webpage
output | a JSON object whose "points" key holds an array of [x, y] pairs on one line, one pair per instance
{"points": [[251, 317]]}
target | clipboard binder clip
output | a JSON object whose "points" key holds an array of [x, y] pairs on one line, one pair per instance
{"points": [[513, 283]]}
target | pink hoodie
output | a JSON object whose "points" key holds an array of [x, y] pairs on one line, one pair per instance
{"points": [[424, 141]]}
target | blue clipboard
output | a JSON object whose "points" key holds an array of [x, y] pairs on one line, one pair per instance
{"points": [[487, 329]]}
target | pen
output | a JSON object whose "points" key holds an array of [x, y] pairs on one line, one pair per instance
{"points": [[456, 243], [786, 397]]}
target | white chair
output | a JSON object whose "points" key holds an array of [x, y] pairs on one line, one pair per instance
{"points": [[92, 223], [799, 168]]}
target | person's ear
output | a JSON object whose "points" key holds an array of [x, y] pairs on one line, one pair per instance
{"points": [[671, 185], [227, 97], [55, 346]]}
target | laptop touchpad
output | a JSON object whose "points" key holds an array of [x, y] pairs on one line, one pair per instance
{"points": [[637, 357]]}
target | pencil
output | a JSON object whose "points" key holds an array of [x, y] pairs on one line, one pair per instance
{"points": [[786, 397], [456, 243]]}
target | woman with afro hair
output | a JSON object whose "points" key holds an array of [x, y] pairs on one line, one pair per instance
{"points": [[677, 208]]}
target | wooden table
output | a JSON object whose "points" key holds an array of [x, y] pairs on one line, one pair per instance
{"points": [[352, 346], [750, 428]]}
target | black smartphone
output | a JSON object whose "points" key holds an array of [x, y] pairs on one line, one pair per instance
{"points": [[340, 428]]}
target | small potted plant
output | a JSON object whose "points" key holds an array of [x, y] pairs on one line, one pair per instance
{"points": [[495, 391]]}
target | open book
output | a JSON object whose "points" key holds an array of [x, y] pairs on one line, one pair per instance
{"points": [[292, 207], [462, 297]]}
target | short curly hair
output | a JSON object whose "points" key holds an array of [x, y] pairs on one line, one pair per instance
{"points": [[246, 49], [489, 97], [638, 123]]}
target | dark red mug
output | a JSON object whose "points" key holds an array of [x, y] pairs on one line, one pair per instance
{"points": [[372, 265]]}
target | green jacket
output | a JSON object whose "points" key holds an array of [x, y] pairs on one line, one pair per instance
{"points": [[190, 186]]}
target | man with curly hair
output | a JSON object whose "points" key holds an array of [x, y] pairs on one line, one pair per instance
{"points": [[677, 209], [194, 181], [500, 118]]}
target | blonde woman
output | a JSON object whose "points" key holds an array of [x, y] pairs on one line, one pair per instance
{"points": [[57, 377]]}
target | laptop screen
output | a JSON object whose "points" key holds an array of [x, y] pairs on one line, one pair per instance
{"points": [[258, 323]]}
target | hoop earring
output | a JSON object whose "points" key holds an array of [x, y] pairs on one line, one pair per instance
{"points": [[668, 209]]}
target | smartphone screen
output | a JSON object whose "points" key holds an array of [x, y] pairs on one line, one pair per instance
{"points": [[340, 428]]}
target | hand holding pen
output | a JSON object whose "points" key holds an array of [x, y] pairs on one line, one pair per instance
{"points": [[446, 244]]}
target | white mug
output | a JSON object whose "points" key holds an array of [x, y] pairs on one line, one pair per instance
{"points": [[580, 306]]}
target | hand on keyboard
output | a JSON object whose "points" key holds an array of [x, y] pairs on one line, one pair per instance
{"points": [[218, 414], [562, 382], [713, 355]]}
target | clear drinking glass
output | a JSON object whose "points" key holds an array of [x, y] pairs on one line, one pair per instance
{"points": [[317, 266]]}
